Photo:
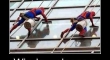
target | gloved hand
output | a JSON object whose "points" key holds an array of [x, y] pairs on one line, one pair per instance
{"points": [[62, 33]]}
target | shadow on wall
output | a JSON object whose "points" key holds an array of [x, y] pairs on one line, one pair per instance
{"points": [[38, 34], [86, 42]]}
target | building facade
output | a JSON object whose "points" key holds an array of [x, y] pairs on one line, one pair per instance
{"points": [[46, 39]]}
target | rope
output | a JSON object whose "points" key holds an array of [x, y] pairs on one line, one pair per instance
{"points": [[24, 21], [76, 31]]}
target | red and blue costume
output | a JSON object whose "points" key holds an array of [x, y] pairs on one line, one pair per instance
{"points": [[81, 17], [30, 14]]}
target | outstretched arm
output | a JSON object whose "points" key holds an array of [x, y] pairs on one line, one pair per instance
{"points": [[44, 16], [91, 19]]}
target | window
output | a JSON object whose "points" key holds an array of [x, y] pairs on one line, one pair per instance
{"points": [[37, 4], [72, 3], [16, 14], [63, 13], [14, 5]]}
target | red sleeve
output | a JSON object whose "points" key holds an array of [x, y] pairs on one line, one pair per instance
{"points": [[44, 16], [84, 14], [91, 15]]}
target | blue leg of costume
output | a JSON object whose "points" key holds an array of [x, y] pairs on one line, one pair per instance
{"points": [[73, 27], [15, 26], [20, 21]]}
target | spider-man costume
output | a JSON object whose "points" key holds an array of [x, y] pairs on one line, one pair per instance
{"points": [[30, 14], [81, 17]]}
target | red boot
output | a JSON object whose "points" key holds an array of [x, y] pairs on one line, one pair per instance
{"points": [[14, 27], [82, 33]]}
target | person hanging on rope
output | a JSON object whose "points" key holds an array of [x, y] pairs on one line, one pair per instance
{"points": [[30, 14], [80, 23]]}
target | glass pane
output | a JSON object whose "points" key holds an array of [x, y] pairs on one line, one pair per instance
{"points": [[96, 2], [96, 9], [32, 4], [47, 3], [16, 14], [13, 45], [60, 26], [40, 44], [68, 12], [72, 3], [14, 5]]}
